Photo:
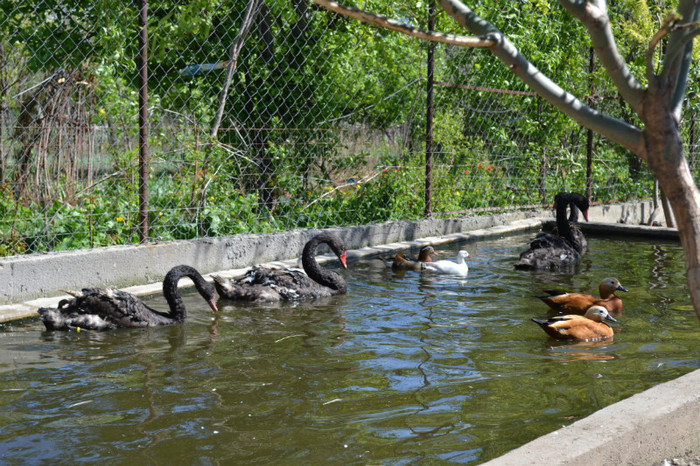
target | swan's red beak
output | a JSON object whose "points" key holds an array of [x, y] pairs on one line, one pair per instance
{"points": [[212, 305], [585, 214], [343, 259]]}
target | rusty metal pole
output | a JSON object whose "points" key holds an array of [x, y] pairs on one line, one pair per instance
{"points": [[143, 121], [589, 135], [429, 116]]}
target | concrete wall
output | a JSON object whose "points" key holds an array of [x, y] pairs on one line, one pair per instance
{"points": [[24, 278]]}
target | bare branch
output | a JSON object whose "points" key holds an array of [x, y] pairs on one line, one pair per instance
{"points": [[664, 30], [594, 18], [679, 53], [234, 51], [381, 21]]}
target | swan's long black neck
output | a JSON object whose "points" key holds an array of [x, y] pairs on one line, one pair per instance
{"points": [[563, 226], [172, 295], [320, 275]]}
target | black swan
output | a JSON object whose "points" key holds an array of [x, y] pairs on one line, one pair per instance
{"points": [[109, 308], [555, 250], [575, 202], [264, 284]]}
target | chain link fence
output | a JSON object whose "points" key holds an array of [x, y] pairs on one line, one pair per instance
{"points": [[323, 123]]}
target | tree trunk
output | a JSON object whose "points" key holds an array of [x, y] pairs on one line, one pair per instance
{"points": [[664, 154]]}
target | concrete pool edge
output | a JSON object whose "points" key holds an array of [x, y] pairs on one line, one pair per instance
{"points": [[32, 277], [35, 276], [28, 309], [647, 428]]}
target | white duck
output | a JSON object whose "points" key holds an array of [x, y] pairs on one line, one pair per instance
{"points": [[444, 266]]}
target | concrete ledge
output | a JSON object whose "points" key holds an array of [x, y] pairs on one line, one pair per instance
{"points": [[646, 428], [95, 268], [25, 278], [29, 277], [621, 229]]}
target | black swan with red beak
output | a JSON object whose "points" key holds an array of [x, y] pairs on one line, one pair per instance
{"points": [[265, 284], [564, 246]]}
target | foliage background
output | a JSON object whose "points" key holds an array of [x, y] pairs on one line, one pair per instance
{"points": [[324, 122]]}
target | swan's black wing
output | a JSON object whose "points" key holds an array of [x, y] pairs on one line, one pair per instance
{"points": [[548, 252], [100, 309], [580, 242], [264, 284]]}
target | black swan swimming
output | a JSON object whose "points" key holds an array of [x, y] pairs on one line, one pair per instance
{"points": [[264, 284], [575, 201], [109, 308], [561, 249]]}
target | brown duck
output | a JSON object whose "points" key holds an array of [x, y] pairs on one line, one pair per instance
{"points": [[589, 327], [578, 303], [401, 262]]}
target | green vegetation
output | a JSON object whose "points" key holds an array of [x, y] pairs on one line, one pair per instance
{"points": [[324, 123]]}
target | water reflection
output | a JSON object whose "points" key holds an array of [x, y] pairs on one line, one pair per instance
{"points": [[583, 351]]}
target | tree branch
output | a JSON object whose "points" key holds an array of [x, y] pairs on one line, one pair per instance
{"points": [[660, 34], [628, 136], [679, 53], [594, 18], [614, 129], [234, 51], [381, 21]]}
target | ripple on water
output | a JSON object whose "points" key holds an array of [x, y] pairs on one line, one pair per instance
{"points": [[406, 368]]}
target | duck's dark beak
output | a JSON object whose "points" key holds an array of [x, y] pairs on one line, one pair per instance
{"points": [[610, 318], [621, 288], [343, 259]]}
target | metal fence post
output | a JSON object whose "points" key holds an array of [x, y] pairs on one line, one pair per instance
{"points": [[143, 121], [429, 116]]}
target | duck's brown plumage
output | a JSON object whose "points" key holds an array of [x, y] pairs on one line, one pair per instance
{"points": [[589, 327], [578, 303], [401, 262]]}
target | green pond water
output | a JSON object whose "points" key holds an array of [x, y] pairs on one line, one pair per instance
{"points": [[411, 369]]}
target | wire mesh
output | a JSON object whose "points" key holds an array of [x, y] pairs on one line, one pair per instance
{"points": [[323, 124]]}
